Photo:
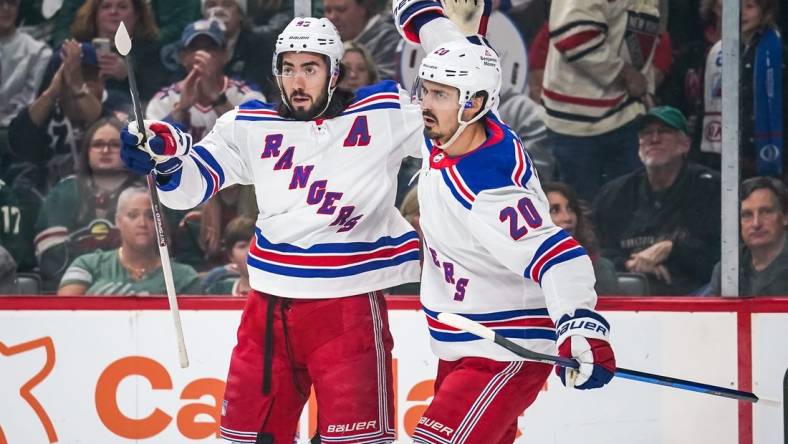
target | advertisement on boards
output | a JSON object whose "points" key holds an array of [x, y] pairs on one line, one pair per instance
{"points": [[112, 376]]}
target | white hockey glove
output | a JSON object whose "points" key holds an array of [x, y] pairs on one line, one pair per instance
{"points": [[470, 16], [584, 337]]}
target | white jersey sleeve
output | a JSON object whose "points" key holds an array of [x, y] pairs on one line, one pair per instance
{"points": [[413, 126], [513, 224], [214, 163], [161, 105]]}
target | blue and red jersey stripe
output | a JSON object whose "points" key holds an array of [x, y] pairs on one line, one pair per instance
{"points": [[515, 324], [558, 248], [332, 259]]}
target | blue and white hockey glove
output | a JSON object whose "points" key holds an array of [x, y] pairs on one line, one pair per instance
{"points": [[584, 337], [166, 143], [411, 15]]}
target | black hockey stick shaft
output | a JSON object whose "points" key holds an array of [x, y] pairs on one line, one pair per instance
{"points": [[123, 45], [651, 378]]}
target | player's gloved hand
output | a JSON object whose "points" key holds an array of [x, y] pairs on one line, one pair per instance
{"points": [[410, 15], [470, 16], [584, 337], [165, 144]]}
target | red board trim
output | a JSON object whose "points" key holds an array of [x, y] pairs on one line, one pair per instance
{"points": [[606, 303]]}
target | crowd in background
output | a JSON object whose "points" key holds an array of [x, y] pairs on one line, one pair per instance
{"points": [[628, 147]]}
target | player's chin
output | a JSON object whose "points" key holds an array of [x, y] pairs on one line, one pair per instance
{"points": [[433, 133]]}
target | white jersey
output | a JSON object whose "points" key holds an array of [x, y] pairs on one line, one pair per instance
{"points": [[201, 118], [325, 190], [491, 251]]}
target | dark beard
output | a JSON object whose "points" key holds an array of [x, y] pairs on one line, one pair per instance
{"points": [[434, 135], [313, 111]]}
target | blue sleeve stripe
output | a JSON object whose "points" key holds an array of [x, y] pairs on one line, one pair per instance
{"points": [[374, 106], [173, 183], [256, 104], [494, 316], [206, 156], [384, 86], [210, 181], [563, 257], [544, 247], [528, 333], [257, 119]]}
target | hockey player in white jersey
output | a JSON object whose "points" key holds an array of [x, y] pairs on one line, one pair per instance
{"points": [[327, 240], [492, 254]]}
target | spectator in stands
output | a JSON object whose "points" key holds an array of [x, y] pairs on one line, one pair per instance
{"points": [[99, 20], [537, 58], [19, 207], [170, 15], [696, 83], [360, 69], [662, 220], [409, 208], [525, 119], [233, 278], [568, 212], [595, 84], [364, 22], [96, 22], [763, 92], [249, 51], [763, 260], [22, 63], [271, 16], [217, 213], [206, 93], [7, 271], [78, 212], [47, 133], [135, 267]]}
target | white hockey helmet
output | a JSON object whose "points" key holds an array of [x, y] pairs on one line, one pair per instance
{"points": [[470, 68], [309, 34]]}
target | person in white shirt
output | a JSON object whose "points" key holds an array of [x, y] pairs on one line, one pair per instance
{"points": [[206, 93]]}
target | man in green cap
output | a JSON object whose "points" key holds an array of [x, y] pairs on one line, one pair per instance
{"points": [[663, 220]]}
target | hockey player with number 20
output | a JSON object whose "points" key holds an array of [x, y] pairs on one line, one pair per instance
{"points": [[491, 252]]}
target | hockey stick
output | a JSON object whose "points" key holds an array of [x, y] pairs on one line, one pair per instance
{"points": [[463, 323], [123, 45]]}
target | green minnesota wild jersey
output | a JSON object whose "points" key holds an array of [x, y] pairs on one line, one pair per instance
{"points": [[227, 285], [103, 274], [18, 212]]}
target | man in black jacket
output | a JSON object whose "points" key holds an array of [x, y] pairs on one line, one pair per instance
{"points": [[663, 220]]}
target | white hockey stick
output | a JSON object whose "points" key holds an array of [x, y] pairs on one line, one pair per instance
{"points": [[123, 45]]}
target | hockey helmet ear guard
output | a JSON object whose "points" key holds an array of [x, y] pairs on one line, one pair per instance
{"points": [[468, 67]]}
